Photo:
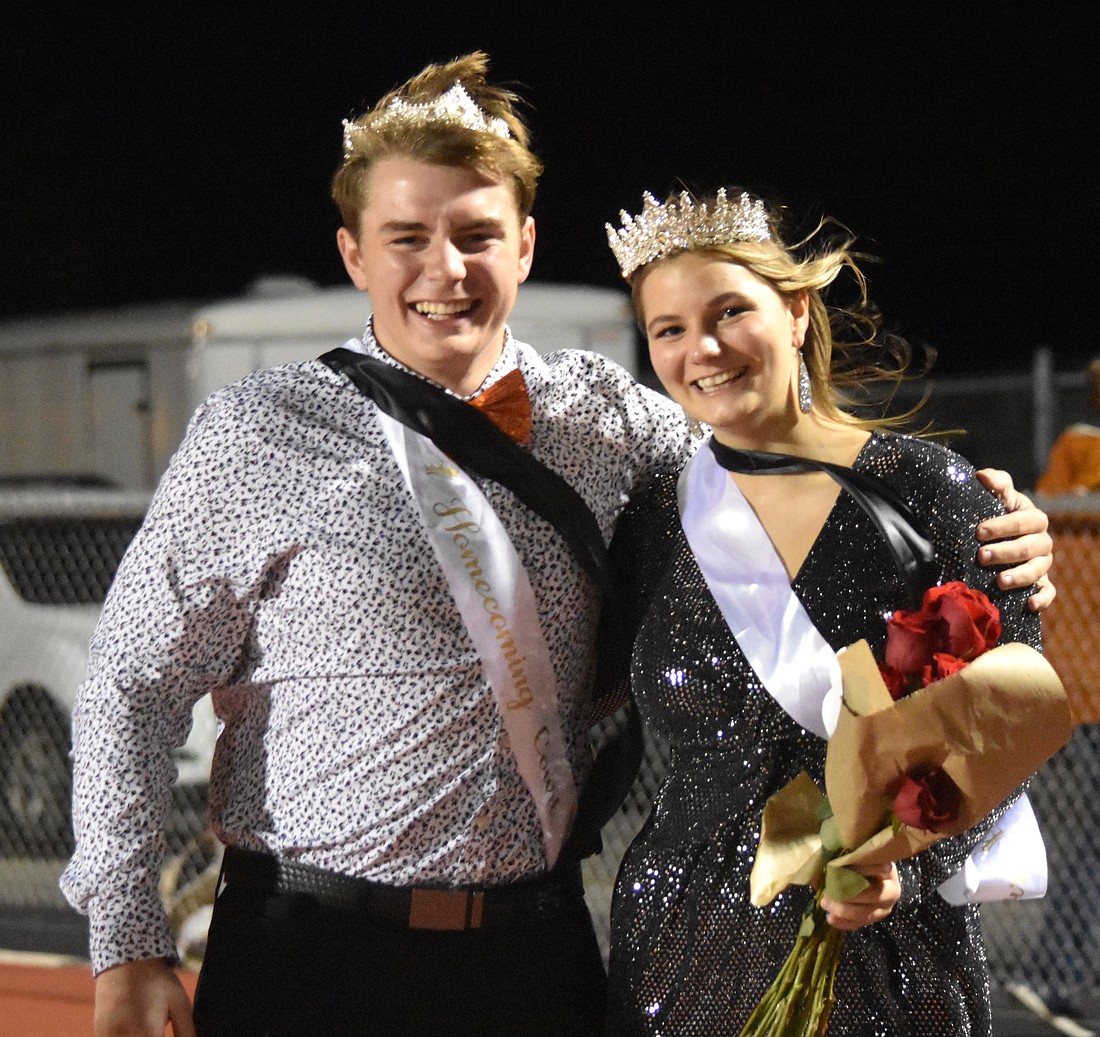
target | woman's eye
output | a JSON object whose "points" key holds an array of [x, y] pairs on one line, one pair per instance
{"points": [[731, 311], [668, 331]]}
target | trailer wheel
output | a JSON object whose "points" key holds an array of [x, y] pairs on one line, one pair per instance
{"points": [[35, 776]]}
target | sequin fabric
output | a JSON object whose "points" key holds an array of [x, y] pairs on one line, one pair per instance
{"points": [[690, 955]]}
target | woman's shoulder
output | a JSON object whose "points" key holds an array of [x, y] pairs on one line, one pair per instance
{"points": [[653, 504], [916, 461], [905, 448], [935, 480]]}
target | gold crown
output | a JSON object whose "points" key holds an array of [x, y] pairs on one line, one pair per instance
{"points": [[454, 108], [682, 225]]}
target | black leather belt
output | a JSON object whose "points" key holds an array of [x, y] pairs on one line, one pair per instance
{"points": [[418, 907]]}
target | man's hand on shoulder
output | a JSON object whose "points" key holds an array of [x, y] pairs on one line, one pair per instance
{"points": [[1025, 543], [139, 998]]}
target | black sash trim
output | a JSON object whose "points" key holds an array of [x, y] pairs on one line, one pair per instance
{"points": [[472, 440], [465, 434], [912, 552]]}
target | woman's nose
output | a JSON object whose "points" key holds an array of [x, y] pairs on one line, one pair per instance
{"points": [[705, 345]]}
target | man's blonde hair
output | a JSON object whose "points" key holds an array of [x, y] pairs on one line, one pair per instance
{"points": [[371, 138]]}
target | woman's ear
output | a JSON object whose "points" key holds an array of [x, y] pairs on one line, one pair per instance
{"points": [[799, 306]]}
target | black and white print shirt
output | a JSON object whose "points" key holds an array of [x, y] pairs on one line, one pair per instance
{"points": [[283, 568]]}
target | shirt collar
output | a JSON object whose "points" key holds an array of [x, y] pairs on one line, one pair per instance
{"points": [[507, 362]]}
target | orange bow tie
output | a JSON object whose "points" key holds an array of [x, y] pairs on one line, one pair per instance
{"points": [[507, 405]]}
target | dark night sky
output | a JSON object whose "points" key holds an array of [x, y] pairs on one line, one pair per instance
{"points": [[180, 153]]}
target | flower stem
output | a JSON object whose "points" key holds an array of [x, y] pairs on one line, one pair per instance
{"points": [[801, 997]]}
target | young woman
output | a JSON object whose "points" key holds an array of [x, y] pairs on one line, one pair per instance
{"points": [[740, 336]]}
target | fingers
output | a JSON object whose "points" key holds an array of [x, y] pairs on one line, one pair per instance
{"points": [[1025, 574], [1030, 556], [1014, 524], [138, 998], [1000, 484], [1045, 592], [179, 1015], [872, 905]]}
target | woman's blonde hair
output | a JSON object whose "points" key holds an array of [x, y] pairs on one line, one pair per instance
{"points": [[846, 350], [371, 138]]}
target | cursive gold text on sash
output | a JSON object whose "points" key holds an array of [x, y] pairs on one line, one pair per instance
{"points": [[521, 690]]}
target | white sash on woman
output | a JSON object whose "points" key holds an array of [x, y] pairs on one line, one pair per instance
{"points": [[494, 597], [750, 584], [749, 581]]}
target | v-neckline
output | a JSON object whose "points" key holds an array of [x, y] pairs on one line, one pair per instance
{"points": [[793, 579]]}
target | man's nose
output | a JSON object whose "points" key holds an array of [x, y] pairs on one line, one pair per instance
{"points": [[445, 261]]}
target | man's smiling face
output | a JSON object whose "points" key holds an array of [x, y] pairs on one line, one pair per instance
{"points": [[442, 250]]}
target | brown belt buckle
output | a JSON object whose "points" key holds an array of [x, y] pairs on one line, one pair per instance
{"points": [[445, 909]]}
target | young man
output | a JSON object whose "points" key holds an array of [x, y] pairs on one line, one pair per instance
{"points": [[394, 607]]}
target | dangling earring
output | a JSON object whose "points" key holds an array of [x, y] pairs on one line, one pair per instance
{"points": [[805, 388], [695, 428]]}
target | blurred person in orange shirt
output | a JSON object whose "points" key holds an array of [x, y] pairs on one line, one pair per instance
{"points": [[1073, 465]]}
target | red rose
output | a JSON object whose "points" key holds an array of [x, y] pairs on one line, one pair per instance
{"points": [[898, 684], [970, 623], [928, 798], [910, 642], [942, 665], [953, 626]]}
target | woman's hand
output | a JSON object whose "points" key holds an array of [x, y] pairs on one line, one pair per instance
{"points": [[1029, 548], [870, 906]]}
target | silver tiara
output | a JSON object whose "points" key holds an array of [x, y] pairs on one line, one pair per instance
{"points": [[454, 108], [681, 225]]}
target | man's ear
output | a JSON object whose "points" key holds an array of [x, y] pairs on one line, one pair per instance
{"points": [[349, 251], [526, 248]]}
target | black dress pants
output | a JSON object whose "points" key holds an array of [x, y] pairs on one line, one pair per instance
{"points": [[283, 965]]}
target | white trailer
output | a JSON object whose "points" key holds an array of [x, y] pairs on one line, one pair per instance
{"points": [[106, 394]]}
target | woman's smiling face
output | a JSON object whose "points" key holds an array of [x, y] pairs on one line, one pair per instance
{"points": [[725, 345]]}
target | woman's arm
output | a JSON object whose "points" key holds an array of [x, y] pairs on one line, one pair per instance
{"points": [[953, 508]]}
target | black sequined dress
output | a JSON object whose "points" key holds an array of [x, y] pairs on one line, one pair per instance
{"points": [[690, 955]]}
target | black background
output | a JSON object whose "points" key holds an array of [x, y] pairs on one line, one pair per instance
{"points": [[181, 151]]}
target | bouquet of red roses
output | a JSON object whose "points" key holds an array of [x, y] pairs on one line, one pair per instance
{"points": [[925, 746]]}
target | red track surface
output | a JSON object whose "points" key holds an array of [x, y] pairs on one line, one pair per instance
{"points": [[50, 1000]]}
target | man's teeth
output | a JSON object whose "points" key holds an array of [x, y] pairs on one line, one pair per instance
{"points": [[439, 310], [715, 379]]}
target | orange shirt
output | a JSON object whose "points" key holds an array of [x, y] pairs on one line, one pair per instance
{"points": [[1074, 462]]}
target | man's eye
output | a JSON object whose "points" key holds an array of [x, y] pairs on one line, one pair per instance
{"points": [[475, 242]]}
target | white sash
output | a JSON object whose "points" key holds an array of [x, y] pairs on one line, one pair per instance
{"points": [[750, 584], [799, 670], [494, 597], [1010, 864]]}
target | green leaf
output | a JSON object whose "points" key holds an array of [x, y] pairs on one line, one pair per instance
{"points": [[844, 883], [831, 839]]}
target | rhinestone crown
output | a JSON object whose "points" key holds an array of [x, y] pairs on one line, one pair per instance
{"points": [[454, 108], [680, 225]]}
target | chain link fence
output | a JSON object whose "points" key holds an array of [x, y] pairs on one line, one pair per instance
{"points": [[60, 545], [1052, 945], [58, 554]]}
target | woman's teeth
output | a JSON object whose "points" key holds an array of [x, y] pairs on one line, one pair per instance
{"points": [[714, 380]]}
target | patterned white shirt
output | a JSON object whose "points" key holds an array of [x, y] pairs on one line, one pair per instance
{"points": [[283, 568]]}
